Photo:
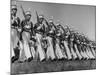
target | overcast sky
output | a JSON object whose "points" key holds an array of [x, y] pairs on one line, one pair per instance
{"points": [[78, 17]]}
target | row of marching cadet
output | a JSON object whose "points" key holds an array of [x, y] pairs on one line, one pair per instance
{"points": [[46, 40]]}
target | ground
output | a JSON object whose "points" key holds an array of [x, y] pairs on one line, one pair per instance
{"points": [[54, 66]]}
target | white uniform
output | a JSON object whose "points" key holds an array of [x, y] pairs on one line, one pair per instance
{"points": [[89, 53], [69, 55], [33, 49], [22, 53], [84, 54], [26, 38], [77, 52], [33, 52], [40, 52], [14, 40], [72, 50], [58, 50], [50, 50], [93, 51]]}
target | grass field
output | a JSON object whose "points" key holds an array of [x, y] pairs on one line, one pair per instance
{"points": [[48, 66]]}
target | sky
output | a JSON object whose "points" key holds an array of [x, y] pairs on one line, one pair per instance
{"points": [[80, 18]]}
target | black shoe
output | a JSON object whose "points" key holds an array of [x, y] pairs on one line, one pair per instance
{"points": [[82, 58], [29, 59], [12, 59], [77, 59], [20, 61], [54, 59], [43, 60], [85, 58], [69, 59], [25, 60]]}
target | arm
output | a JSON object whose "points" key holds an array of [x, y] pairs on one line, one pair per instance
{"points": [[19, 25], [39, 27], [32, 29], [22, 25]]}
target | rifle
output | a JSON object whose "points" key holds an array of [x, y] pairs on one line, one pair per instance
{"points": [[37, 17], [68, 29], [23, 11]]}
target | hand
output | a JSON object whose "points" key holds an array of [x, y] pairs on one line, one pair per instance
{"points": [[12, 21], [19, 29], [40, 27]]}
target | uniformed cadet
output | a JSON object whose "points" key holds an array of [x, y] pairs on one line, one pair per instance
{"points": [[15, 24], [39, 28], [27, 26], [50, 37], [59, 51], [66, 36]]}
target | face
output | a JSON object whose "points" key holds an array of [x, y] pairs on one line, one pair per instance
{"points": [[51, 24], [41, 20], [13, 11], [28, 17]]}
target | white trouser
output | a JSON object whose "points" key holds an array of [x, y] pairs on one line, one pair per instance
{"points": [[26, 38], [40, 52], [58, 51], [50, 50], [14, 41], [67, 50], [77, 52]]}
